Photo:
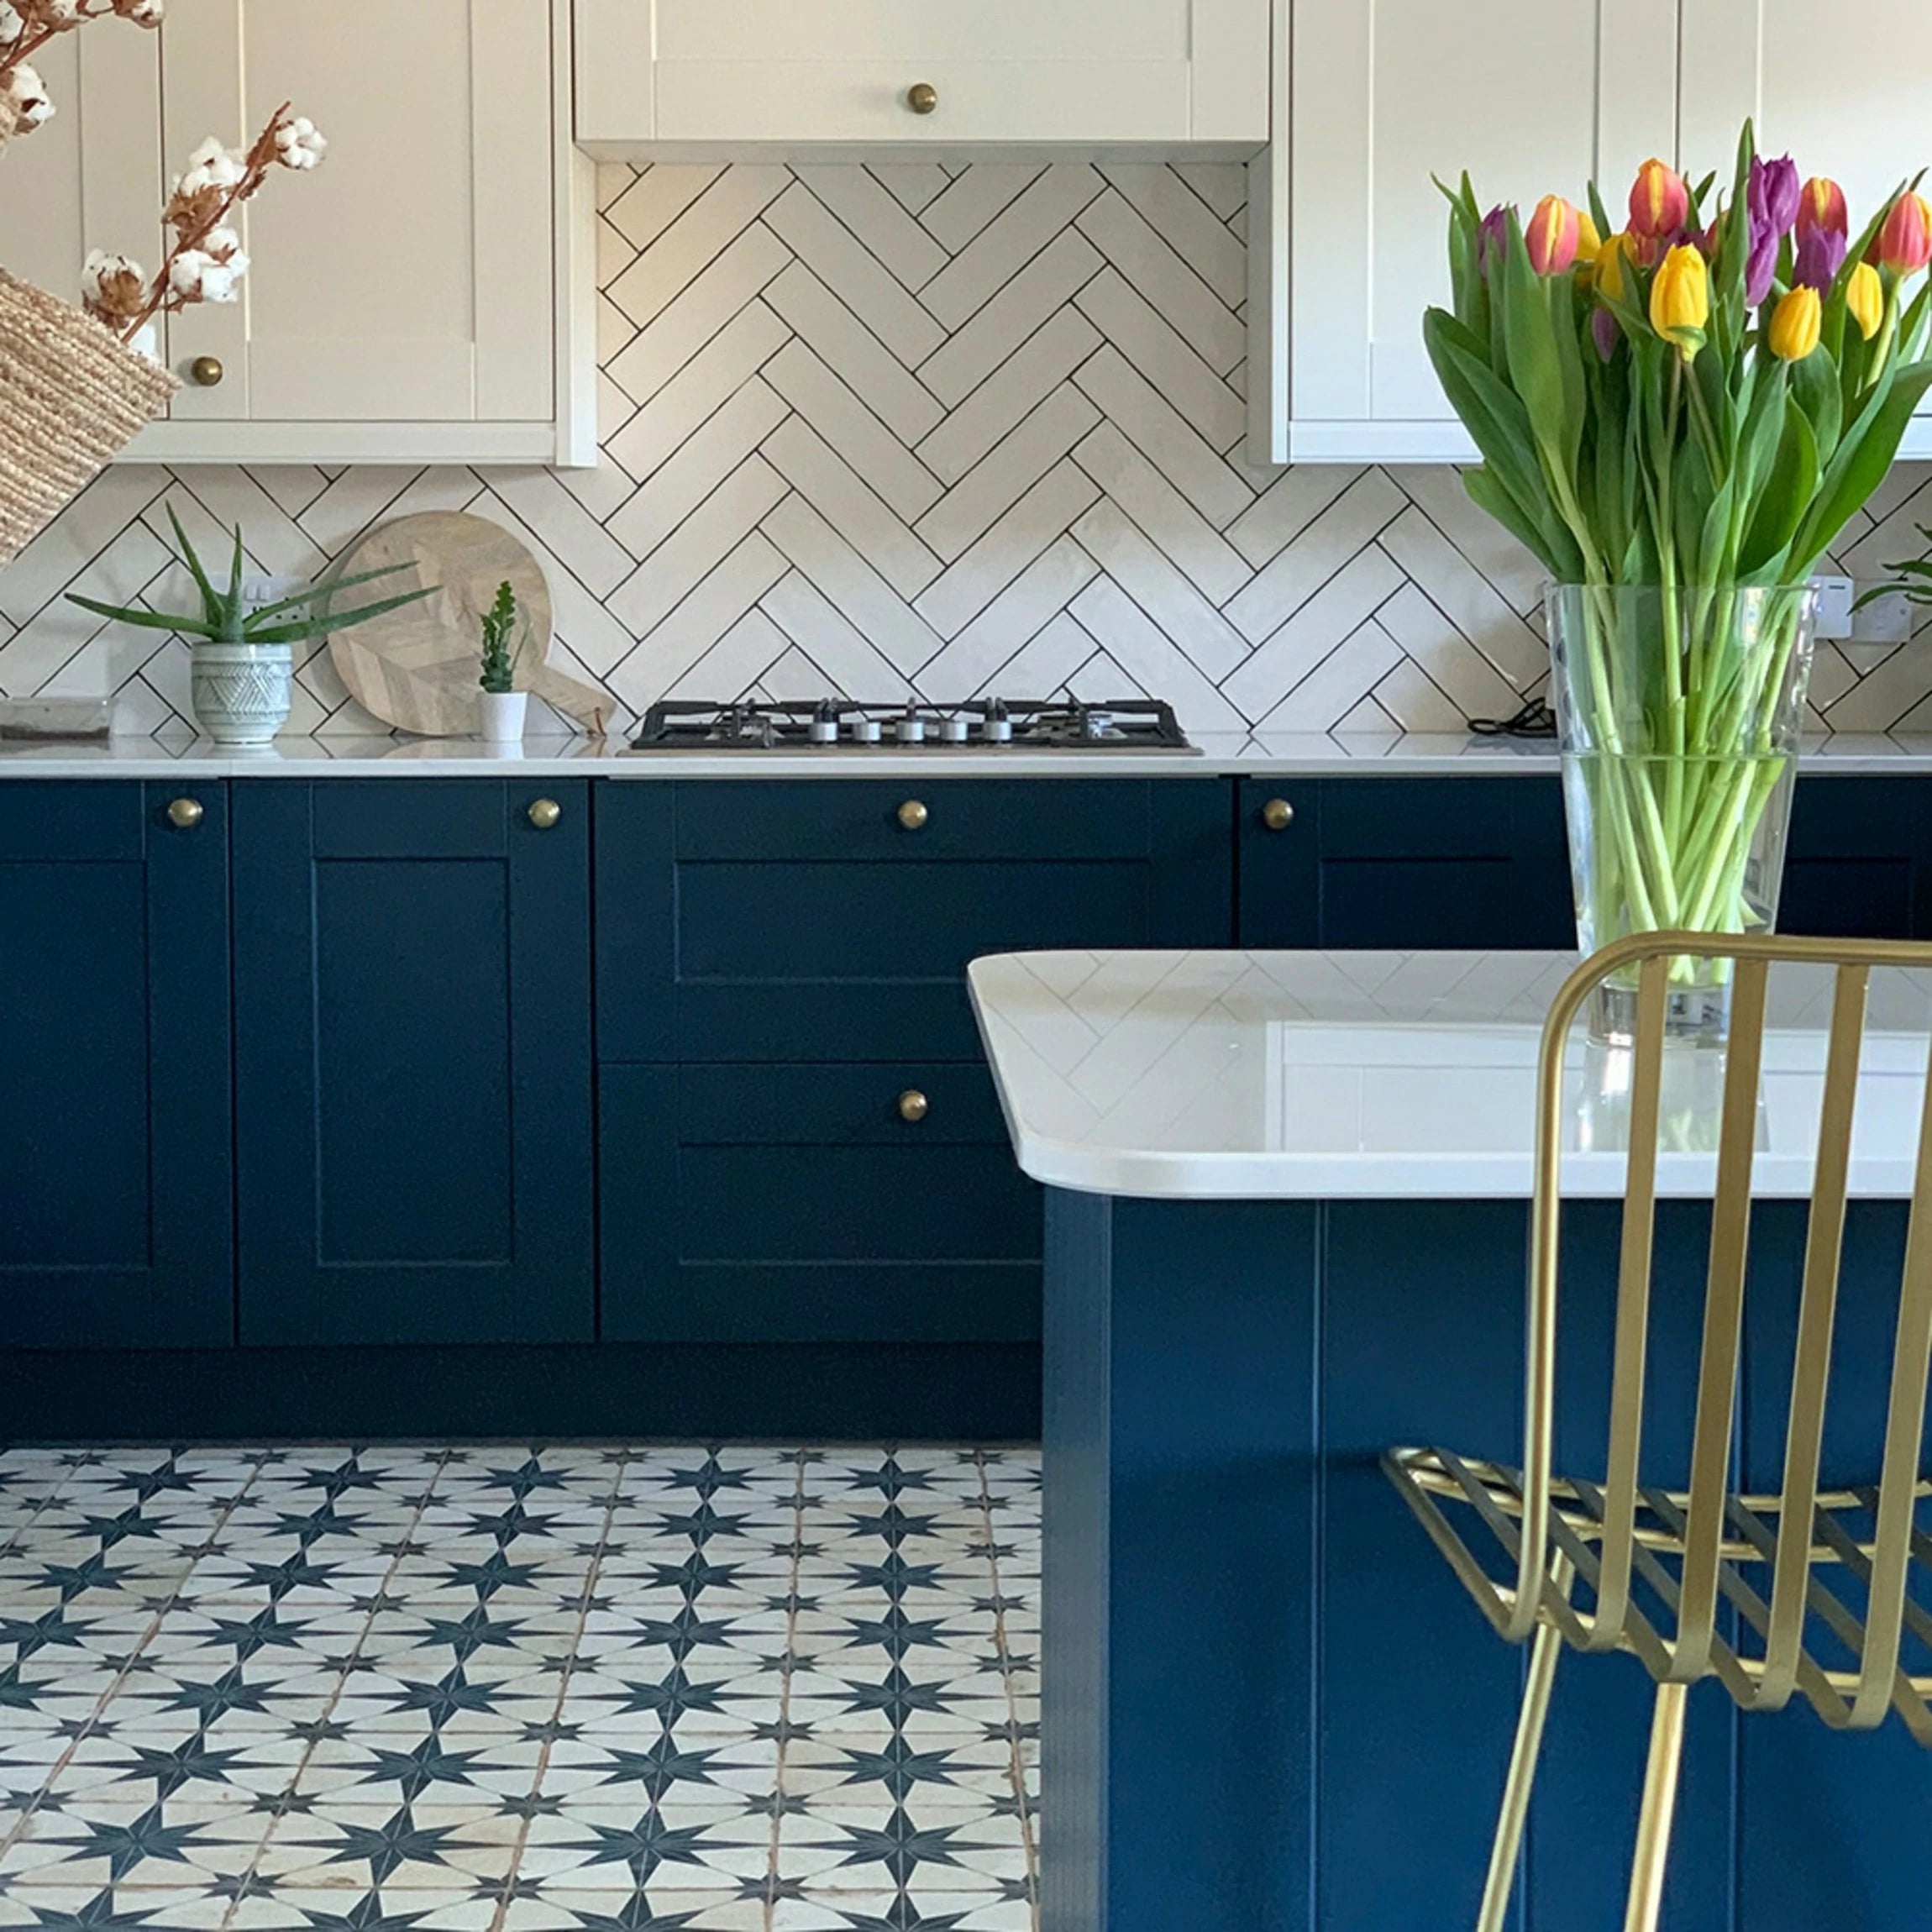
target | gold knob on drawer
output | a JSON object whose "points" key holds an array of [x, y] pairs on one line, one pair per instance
{"points": [[206, 371], [544, 813], [922, 97], [913, 1105], [913, 814], [1277, 814], [187, 813]]}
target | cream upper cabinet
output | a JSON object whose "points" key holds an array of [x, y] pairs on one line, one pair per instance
{"points": [[1847, 94], [1349, 230], [91, 179], [761, 73], [403, 299]]}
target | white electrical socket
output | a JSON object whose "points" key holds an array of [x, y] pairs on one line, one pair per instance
{"points": [[1834, 599], [1885, 620]]}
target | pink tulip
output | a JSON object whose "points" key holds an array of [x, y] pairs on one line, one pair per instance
{"points": [[1554, 233], [1904, 243], [1660, 202]]}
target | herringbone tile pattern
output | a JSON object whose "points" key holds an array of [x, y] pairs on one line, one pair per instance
{"points": [[926, 431]]}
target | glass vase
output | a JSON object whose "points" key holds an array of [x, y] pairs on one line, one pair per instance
{"points": [[1678, 714]]}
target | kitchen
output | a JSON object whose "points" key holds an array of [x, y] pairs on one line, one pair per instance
{"points": [[533, 1286]]}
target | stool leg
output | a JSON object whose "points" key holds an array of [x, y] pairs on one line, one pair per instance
{"points": [[1546, 1647], [1659, 1803]]}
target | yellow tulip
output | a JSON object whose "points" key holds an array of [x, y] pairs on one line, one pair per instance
{"points": [[1864, 299], [1795, 325], [1589, 243], [1680, 299], [1610, 259]]}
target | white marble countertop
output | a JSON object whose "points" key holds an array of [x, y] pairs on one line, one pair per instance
{"points": [[1261, 755], [1230, 1076]]}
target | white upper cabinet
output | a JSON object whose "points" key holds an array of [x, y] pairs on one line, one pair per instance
{"points": [[1845, 91], [730, 74], [403, 301], [1349, 231]]}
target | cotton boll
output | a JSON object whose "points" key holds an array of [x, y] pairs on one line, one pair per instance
{"points": [[12, 26], [113, 286], [212, 165], [21, 89], [299, 144], [142, 12], [186, 273], [220, 280], [224, 245]]}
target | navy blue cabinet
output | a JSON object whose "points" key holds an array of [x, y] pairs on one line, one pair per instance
{"points": [[1859, 860], [798, 1139], [413, 1103], [115, 1207], [1451, 863]]}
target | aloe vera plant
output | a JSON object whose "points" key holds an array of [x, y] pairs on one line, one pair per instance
{"points": [[226, 619]]}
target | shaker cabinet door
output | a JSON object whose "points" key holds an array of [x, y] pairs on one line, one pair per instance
{"points": [[413, 1061], [115, 1204], [91, 176], [408, 281], [1530, 99]]}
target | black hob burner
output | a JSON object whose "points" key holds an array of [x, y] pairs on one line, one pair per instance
{"points": [[990, 724]]}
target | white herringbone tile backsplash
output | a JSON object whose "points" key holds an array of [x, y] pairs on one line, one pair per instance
{"points": [[922, 430]]}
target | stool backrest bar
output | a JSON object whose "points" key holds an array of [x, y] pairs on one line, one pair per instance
{"points": [[1709, 1523]]}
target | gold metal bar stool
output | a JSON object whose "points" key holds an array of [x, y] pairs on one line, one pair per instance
{"points": [[1776, 1559]]}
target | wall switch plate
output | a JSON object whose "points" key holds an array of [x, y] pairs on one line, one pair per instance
{"points": [[1835, 600], [259, 590]]}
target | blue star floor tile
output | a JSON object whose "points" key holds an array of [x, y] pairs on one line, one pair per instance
{"points": [[489, 1688]]}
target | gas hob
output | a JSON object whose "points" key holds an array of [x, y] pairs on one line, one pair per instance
{"points": [[992, 724]]}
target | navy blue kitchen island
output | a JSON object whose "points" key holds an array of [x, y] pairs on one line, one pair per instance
{"points": [[1286, 1224]]}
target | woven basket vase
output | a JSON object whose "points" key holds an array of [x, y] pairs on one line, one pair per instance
{"points": [[71, 397]]}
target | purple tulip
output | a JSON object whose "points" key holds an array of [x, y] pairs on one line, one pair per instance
{"points": [[1772, 199], [1607, 331], [1491, 238], [1820, 255]]}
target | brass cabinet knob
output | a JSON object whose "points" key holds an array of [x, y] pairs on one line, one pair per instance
{"points": [[544, 812], [187, 813], [913, 814], [1277, 814], [913, 1105], [206, 371], [922, 97]]}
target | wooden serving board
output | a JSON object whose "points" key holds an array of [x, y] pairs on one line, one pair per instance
{"points": [[417, 667]]}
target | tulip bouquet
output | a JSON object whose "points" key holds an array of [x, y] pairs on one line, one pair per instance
{"points": [[1678, 417]]}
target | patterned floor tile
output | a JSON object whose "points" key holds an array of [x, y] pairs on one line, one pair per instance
{"points": [[483, 1690]]}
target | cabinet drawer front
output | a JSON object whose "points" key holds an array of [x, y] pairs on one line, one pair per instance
{"points": [[726, 1106], [857, 821], [803, 921], [1074, 101], [841, 1223], [871, 30]]}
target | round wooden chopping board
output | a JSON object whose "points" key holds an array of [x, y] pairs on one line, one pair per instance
{"points": [[417, 667]]}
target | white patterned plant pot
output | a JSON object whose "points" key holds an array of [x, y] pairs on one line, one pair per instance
{"points": [[242, 692]]}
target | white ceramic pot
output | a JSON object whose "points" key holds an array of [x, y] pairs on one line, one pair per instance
{"points": [[503, 716], [241, 692]]}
